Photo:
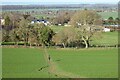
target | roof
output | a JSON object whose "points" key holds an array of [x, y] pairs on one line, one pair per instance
{"points": [[40, 20]]}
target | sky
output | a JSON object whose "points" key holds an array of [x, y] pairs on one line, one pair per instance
{"points": [[63, 1]]}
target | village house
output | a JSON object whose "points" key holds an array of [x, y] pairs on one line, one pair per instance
{"points": [[112, 27], [2, 21], [106, 30], [40, 21]]}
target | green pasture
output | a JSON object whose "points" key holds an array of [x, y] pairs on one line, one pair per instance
{"points": [[94, 63], [39, 16], [106, 15], [23, 63], [91, 63], [57, 28], [105, 39]]}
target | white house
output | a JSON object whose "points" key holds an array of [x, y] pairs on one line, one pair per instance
{"points": [[2, 21], [40, 21], [106, 30]]}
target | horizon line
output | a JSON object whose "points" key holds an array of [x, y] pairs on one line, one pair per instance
{"points": [[48, 3]]}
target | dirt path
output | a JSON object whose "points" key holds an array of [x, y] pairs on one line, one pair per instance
{"points": [[54, 69]]}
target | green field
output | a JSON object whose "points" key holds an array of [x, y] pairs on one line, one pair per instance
{"points": [[23, 63], [105, 38], [57, 28], [106, 15], [94, 63], [88, 63]]}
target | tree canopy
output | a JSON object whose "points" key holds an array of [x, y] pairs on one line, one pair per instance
{"points": [[85, 17], [87, 22]]}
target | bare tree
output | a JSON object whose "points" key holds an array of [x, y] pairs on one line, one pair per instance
{"points": [[65, 36], [87, 22]]}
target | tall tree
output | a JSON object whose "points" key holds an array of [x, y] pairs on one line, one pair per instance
{"points": [[62, 18], [65, 36], [46, 35], [5, 36], [14, 35], [110, 20], [23, 30], [85, 17], [117, 21], [32, 37], [86, 21], [7, 21]]}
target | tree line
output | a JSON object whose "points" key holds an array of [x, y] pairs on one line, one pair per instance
{"points": [[84, 25], [111, 21]]}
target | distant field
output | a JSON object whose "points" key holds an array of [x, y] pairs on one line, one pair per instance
{"points": [[106, 15], [39, 16], [44, 9], [57, 28], [25, 62], [106, 38]]}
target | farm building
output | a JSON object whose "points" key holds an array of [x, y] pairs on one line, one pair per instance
{"points": [[112, 27], [106, 30], [40, 21]]}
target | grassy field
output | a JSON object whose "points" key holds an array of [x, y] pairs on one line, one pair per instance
{"points": [[106, 15], [91, 63], [57, 28], [25, 62], [105, 38]]}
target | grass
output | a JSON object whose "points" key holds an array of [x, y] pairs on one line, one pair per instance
{"points": [[57, 28], [0, 62], [91, 63], [106, 38], [106, 15], [25, 62]]}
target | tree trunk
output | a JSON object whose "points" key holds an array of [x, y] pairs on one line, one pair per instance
{"points": [[63, 45], [86, 43], [25, 43], [30, 44], [16, 43]]}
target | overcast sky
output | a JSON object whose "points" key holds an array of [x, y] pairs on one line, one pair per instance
{"points": [[63, 1]]}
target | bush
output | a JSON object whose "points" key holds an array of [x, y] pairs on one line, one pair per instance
{"points": [[12, 43]]}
